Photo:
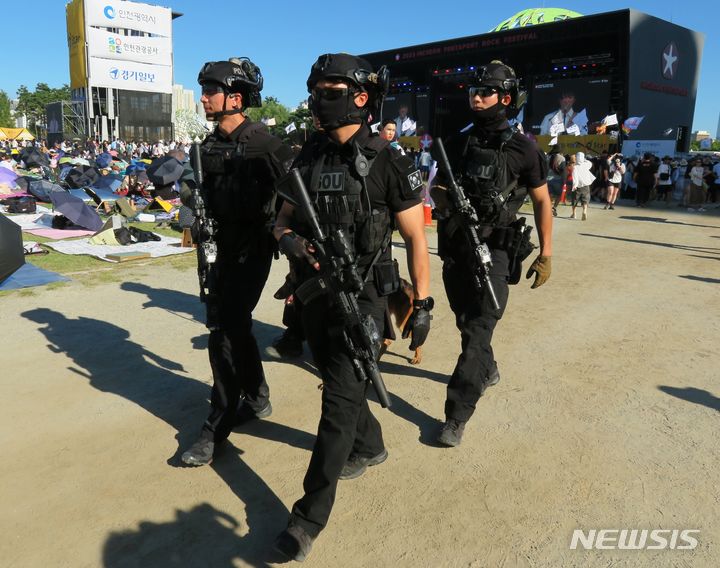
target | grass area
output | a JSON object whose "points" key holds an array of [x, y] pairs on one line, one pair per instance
{"points": [[91, 271]]}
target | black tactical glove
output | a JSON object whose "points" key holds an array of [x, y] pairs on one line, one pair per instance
{"points": [[296, 247], [542, 268], [419, 324]]}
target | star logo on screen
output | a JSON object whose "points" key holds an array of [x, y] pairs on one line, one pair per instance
{"points": [[670, 57]]}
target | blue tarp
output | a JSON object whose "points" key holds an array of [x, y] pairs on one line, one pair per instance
{"points": [[30, 275]]}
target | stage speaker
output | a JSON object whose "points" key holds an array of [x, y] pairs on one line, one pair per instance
{"points": [[682, 141]]}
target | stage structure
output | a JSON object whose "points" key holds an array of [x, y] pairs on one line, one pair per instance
{"points": [[625, 62], [121, 69]]}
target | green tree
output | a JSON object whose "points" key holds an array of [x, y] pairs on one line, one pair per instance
{"points": [[33, 103], [271, 108], [6, 118]]}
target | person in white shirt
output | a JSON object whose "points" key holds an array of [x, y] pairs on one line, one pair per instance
{"points": [[7, 162], [582, 180], [617, 171], [565, 115], [697, 191], [404, 125]]}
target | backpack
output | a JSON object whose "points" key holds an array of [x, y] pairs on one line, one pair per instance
{"points": [[21, 204]]}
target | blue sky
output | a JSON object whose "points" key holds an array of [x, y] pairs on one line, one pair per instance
{"points": [[284, 38]]}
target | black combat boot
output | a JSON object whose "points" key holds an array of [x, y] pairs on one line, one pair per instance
{"points": [[246, 413], [287, 346], [356, 465], [294, 543], [451, 433], [200, 453]]}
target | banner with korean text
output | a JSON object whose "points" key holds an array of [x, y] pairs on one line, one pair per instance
{"points": [[129, 15], [76, 44], [106, 45], [130, 75]]}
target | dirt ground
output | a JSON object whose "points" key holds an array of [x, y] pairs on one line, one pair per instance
{"points": [[606, 417]]}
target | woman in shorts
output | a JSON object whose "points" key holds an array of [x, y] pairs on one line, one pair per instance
{"points": [[617, 171]]}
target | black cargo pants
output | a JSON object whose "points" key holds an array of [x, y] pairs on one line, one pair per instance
{"points": [[346, 424], [476, 318], [234, 356]]}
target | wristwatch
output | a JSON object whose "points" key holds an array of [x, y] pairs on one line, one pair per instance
{"points": [[425, 304]]}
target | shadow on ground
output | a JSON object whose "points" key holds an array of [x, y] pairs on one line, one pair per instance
{"points": [[698, 249], [692, 394], [105, 357], [700, 278], [665, 221], [204, 535]]}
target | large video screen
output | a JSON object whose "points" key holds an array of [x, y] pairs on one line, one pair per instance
{"points": [[565, 106], [410, 111]]}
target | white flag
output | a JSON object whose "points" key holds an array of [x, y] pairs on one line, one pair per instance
{"points": [[303, 126], [556, 129], [270, 122], [574, 129], [290, 128], [610, 120], [408, 125], [553, 141]]}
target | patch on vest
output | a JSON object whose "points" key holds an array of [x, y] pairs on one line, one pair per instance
{"points": [[415, 180], [331, 181]]}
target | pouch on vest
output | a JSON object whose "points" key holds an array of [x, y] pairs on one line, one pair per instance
{"points": [[372, 231], [386, 276], [519, 250]]}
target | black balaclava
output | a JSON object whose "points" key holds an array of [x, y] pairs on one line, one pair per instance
{"points": [[492, 118], [346, 68], [339, 112]]}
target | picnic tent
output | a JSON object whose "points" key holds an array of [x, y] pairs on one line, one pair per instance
{"points": [[15, 134]]}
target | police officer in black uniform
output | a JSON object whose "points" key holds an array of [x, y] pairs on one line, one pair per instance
{"points": [[497, 167], [241, 161], [362, 185]]}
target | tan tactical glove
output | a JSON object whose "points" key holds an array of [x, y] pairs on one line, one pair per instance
{"points": [[542, 268]]}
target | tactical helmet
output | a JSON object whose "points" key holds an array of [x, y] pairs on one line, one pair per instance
{"points": [[358, 72], [237, 75], [497, 74], [346, 67]]}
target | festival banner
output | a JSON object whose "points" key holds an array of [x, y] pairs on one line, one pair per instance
{"points": [[106, 45], [591, 144], [76, 44], [129, 15], [130, 75]]}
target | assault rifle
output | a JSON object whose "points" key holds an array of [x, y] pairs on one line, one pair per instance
{"points": [[470, 222], [207, 247], [338, 276]]}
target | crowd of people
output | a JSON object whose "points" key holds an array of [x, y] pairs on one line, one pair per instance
{"points": [[89, 150], [692, 184]]}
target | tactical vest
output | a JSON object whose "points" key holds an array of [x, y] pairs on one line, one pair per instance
{"points": [[235, 195], [489, 184], [340, 195]]}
